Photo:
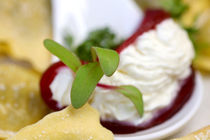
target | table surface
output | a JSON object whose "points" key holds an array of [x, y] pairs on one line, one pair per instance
{"points": [[202, 117]]}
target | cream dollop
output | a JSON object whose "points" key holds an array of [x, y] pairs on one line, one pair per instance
{"points": [[61, 86], [155, 63]]}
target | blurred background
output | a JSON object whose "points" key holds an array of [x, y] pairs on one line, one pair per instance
{"points": [[23, 27], [24, 24], [194, 16]]}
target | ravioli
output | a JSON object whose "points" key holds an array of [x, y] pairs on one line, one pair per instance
{"points": [[68, 124], [23, 27], [20, 101]]}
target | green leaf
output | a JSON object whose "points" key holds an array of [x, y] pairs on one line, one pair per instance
{"points": [[84, 83], [66, 56], [108, 59], [134, 95]]}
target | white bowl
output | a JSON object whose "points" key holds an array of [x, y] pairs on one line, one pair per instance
{"points": [[174, 124]]}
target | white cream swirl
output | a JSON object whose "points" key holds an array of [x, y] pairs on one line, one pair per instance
{"points": [[61, 86], [154, 63]]}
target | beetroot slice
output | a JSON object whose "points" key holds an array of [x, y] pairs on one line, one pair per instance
{"points": [[47, 78], [151, 19], [183, 95]]}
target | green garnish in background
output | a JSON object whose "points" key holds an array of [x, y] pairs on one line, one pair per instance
{"points": [[68, 39], [103, 38], [191, 31], [177, 8], [174, 7], [105, 62]]}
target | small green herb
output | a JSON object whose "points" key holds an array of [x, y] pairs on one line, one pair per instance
{"points": [[66, 56], [106, 56], [175, 7], [103, 38], [88, 76], [134, 95], [85, 82]]}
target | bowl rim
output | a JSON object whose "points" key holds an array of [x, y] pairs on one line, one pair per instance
{"points": [[174, 124]]}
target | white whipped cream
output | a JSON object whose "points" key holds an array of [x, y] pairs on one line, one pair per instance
{"points": [[61, 86], [155, 63]]}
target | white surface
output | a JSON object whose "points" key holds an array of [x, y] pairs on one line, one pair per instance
{"points": [[174, 124], [79, 17], [154, 63]]}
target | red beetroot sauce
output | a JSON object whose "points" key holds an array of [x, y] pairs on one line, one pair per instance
{"points": [[162, 115]]}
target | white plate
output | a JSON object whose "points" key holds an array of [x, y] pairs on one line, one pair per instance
{"points": [[176, 123]]}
